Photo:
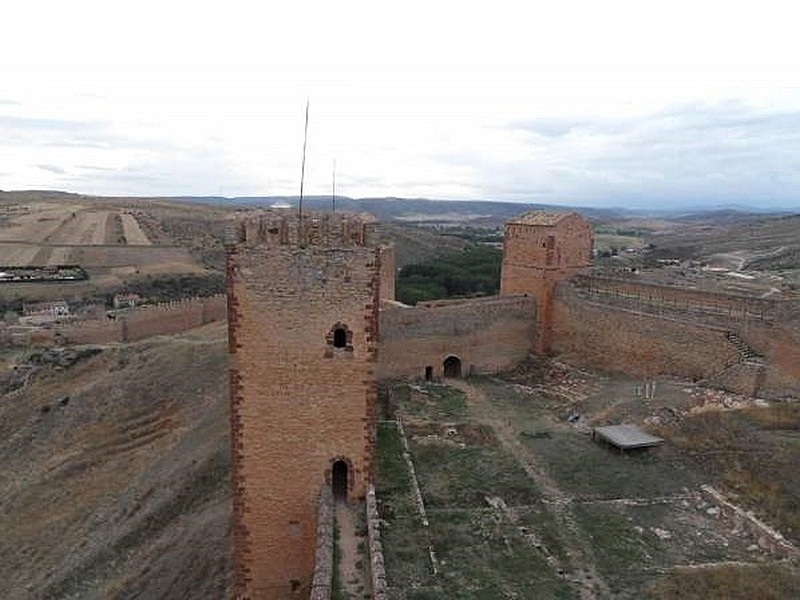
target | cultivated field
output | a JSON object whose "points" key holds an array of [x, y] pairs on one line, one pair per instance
{"points": [[117, 241]]}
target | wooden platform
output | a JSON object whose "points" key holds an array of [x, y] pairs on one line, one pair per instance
{"points": [[626, 437]]}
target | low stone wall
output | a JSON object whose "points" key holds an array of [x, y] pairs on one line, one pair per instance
{"points": [[376, 564], [322, 582], [766, 537]]}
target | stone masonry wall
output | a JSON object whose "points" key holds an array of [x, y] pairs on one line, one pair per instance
{"points": [[322, 581], [298, 404], [677, 330], [140, 323], [610, 338], [487, 334], [388, 272]]}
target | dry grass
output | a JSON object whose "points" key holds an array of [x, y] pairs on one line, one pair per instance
{"points": [[752, 453], [733, 582], [122, 490]]}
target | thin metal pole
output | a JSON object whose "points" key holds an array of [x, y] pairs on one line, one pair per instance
{"points": [[303, 172], [333, 188]]}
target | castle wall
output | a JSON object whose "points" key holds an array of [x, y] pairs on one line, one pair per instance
{"points": [[486, 334], [174, 317], [388, 273], [140, 323], [605, 336], [646, 329], [298, 403]]}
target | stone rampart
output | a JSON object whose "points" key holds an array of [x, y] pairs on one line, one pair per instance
{"points": [[322, 582], [487, 335], [377, 568], [645, 329], [139, 323], [712, 307]]}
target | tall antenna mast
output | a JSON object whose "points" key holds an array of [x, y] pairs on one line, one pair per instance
{"points": [[303, 172], [333, 188]]}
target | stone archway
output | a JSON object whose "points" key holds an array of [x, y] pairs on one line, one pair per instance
{"points": [[452, 366]]}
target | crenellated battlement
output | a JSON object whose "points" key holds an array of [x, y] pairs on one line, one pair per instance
{"points": [[280, 227]]}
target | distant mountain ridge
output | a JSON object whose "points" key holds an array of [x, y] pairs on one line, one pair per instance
{"points": [[416, 210], [486, 213]]}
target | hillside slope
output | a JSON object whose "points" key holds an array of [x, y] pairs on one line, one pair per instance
{"points": [[116, 474]]}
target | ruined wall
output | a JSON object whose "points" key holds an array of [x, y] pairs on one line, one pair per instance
{"points": [[486, 334], [779, 344], [299, 404]]}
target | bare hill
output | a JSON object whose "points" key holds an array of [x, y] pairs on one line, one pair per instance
{"points": [[116, 472]]}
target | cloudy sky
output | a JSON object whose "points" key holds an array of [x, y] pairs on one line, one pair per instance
{"points": [[589, 103]]}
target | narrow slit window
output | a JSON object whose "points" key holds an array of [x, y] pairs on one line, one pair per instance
{"points": [[339, 337]]}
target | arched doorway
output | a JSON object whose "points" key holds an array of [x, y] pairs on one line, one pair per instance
{"points": [[339, 481], [452, 366]]}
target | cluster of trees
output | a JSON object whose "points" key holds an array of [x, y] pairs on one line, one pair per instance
{"points": [[475, 271]]}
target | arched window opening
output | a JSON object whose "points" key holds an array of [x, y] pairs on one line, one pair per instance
{"points": [[339, 481], [339, 337], [452, 366], [339, 340]]}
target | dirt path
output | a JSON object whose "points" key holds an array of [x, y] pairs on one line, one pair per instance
{"points": [[351, 560], [581, 570]]}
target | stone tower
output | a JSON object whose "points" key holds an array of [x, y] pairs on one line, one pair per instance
{"points": [[539, 250], [302, 310]]}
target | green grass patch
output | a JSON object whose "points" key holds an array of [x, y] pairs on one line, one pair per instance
{"points": [[540, 521], [405, 541], [482, 555], [337, 591], [619, 549], [585, 468], [435, 402], [462, 474]]}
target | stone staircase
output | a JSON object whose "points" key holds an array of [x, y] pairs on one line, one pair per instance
{"points": [[745, 376], [745, 350]]}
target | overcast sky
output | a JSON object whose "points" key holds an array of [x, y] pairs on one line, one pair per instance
{"points": [[587, 103]]}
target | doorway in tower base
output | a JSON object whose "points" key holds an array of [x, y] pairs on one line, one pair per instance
{"points": [[452, 366], [340, 479]]}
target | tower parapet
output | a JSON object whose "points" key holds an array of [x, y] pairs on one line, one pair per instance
{"points": [[280, 228]]}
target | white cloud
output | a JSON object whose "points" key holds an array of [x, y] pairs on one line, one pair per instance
{"points": [[410, 99]]}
